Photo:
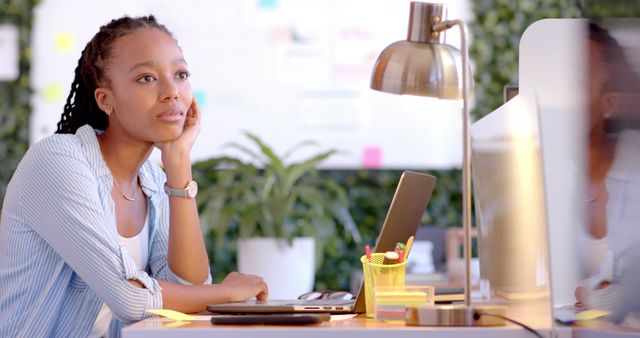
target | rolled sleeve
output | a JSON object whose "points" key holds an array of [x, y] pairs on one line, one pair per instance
{"points": [[131, 272]]}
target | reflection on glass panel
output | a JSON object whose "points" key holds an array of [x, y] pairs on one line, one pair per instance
{"points": [[612, 275]]}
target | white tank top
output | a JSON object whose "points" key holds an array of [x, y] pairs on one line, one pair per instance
{"points": [[138, 248]]}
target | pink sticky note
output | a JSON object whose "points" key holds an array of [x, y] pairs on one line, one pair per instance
{"points": [[372, 157]]}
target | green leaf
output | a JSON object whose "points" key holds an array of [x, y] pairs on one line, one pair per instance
{"points": [[243, 149], [222, 225], [298, 146], [277, 209], [248, 221], [274, 161], [298, 169], [267, 189]]}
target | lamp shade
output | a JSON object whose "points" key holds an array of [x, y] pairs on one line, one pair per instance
{"points": [[422, 69], [422, 65]]}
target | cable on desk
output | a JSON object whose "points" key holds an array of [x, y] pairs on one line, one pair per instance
{"points": [[478, 314]]}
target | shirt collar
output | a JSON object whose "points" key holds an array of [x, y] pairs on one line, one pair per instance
{"points": [[87, 136]]}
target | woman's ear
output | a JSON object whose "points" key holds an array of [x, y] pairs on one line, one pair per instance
{"points": [[610, 104], [103, 99]]}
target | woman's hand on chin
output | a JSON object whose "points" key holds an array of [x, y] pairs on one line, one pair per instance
{"points": [[177, 151]]}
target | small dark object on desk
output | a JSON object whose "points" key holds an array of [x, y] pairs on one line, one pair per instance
{"points": [[271, 319]]}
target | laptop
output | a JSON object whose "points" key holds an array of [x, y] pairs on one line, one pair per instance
{"points": [[403, 218]]}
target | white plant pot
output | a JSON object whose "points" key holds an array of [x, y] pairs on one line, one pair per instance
{"points": [[288, 270]]}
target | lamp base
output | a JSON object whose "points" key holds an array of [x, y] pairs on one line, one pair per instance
{"points": [[456, 315]]}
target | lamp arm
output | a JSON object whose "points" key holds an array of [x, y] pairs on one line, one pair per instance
{"points": [[466, 155]]}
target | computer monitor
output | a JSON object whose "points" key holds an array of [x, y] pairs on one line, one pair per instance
{"points": [[509, 201]]}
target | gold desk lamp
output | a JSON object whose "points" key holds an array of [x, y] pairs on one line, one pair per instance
{"points": [[424, 65]]}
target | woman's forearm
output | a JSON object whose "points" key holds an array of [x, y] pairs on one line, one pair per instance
{"points": [[187, 255], [195, 298], [192, 298]]}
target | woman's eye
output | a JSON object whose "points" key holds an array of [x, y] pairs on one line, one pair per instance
{"points": [[146, 79], [183, 75]]}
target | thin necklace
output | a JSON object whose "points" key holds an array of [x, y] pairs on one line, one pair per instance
{"points": [[135, 192]]}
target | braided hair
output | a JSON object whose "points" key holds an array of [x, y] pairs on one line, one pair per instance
{"points": [[81, 107]]}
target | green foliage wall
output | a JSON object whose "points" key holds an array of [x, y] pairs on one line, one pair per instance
{"points": [[496, 30], [15, 95], [605, 9]]}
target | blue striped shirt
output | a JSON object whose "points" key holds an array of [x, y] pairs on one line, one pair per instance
{"points": [[621, 297], [60, 257]]}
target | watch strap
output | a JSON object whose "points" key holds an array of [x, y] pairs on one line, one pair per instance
{"points": [[181, 192]]}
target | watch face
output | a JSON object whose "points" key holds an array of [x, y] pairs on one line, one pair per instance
{"points": [[192, 189]]}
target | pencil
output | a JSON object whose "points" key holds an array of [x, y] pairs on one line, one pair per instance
{"points": [[407, 248]]}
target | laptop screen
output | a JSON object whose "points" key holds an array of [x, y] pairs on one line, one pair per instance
{"points": [[403, 216]]}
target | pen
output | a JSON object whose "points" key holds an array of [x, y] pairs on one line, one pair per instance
{"points": [[367, 251]]}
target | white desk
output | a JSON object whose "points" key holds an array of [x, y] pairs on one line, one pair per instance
{"points": [[536, 315], [360, 328], [352, 328]]}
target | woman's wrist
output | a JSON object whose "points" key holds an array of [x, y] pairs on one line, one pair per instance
{"points": [[225, 293], [596, 190], [175, 159]]}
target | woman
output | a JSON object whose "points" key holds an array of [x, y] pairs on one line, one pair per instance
{"points": [[91, 230]]}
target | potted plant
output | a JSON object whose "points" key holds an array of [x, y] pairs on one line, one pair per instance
{"points": [[281, 214]]}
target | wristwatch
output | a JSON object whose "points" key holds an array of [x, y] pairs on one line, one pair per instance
{"points": [[189, 191]]}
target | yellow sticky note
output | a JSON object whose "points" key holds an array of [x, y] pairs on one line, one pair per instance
{"points": [[591, 314], [63, 41], [53, 92], [171, 314], [174, 325]]}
